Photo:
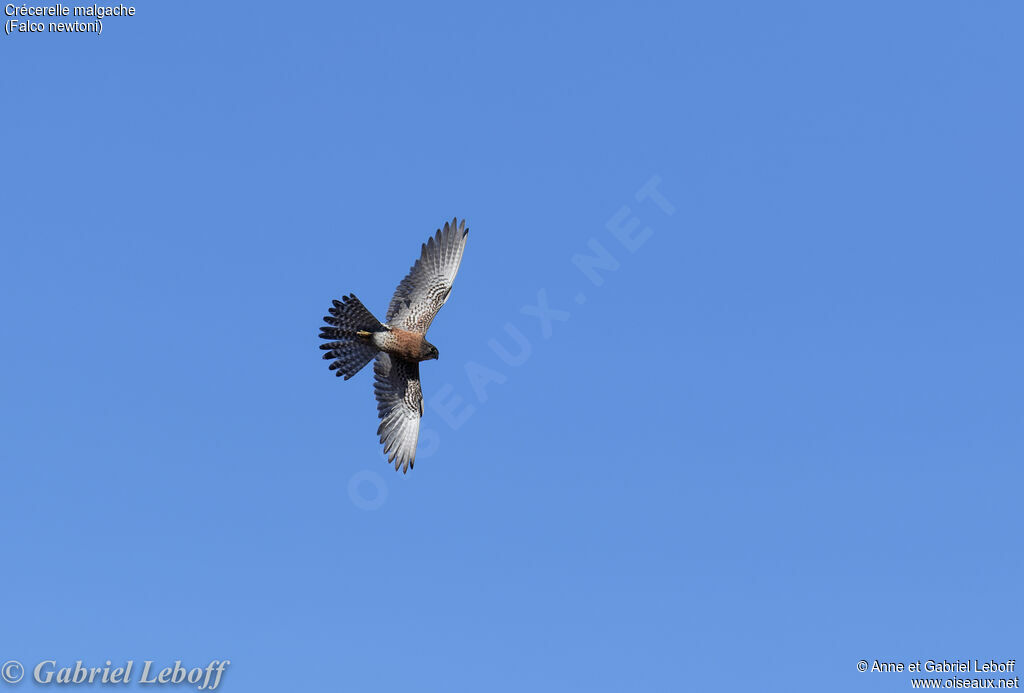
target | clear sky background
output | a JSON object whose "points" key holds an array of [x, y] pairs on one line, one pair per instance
{"points": [[784, 435]]}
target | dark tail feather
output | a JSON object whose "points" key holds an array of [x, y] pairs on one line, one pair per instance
{"points": [[349, 351]]}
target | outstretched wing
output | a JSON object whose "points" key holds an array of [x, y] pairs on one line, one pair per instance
{"points": [[399, 406], [425, 289]]}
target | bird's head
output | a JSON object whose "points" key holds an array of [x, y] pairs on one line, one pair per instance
{"points": [[428, 351]]}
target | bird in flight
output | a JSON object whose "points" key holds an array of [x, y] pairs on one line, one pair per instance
{"points": [[399, 343]]}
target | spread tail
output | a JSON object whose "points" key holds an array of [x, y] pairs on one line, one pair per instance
{"points": [[352, 326]]}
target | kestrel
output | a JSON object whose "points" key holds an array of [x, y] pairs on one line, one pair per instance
{"points": [[400, 343]]}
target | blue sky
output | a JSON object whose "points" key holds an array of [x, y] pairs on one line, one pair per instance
{"points": [[783, 435]]}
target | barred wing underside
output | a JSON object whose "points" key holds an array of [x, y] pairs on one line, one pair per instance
{"points": [[399, 406], [425, 289]]}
